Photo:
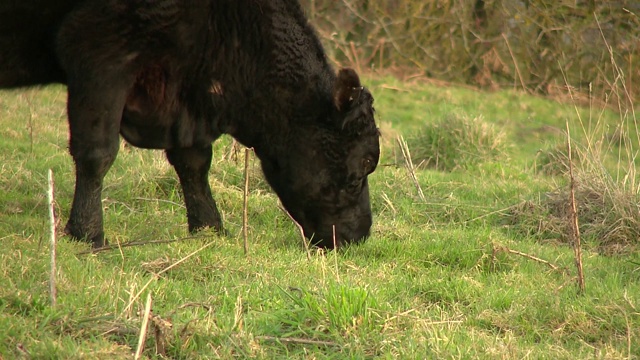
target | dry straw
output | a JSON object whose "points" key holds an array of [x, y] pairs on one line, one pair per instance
{"points": [[143, 328]]}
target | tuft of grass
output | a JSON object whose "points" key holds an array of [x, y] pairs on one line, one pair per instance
{"points": [[554, 159], [337, 311], [456, 142]]}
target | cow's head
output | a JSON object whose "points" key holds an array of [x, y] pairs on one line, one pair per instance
{"points": [[322, 182]]}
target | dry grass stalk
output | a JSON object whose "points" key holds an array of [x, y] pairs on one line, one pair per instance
{"points": [[305, 243], [143, 328], [245, 205], [290, 340], [135, 243], [161, 328], [27, 97], [238, 318], [409, 164], [505, 249], [515, 63], [232, 152], [335, 253], [575, 229], [137, 295], [52, 233], [626, 320]]}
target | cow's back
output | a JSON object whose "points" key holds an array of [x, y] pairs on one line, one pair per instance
{"points": [[27, 41]]}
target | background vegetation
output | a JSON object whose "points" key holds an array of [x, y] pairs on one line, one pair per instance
{"points": [[471, 253], [538, 46]]}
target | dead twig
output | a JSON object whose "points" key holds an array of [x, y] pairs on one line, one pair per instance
{"points": [[575, 230]]}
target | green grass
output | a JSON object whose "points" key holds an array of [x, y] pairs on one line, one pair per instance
{"points": [[429, 283]]}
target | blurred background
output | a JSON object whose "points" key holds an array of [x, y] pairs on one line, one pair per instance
{"points": [[544, 46]]}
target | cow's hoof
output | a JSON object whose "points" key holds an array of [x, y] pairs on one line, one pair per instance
{"points": [[97, 240], [217, 228]]}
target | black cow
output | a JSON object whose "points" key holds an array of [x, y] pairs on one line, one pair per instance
{"points": [[175, 75]]}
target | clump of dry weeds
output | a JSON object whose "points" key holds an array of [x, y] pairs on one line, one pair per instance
{"points": [[554, 160], [608, 212]]}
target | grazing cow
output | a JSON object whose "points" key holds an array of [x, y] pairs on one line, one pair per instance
{"points": [[175, 75]]}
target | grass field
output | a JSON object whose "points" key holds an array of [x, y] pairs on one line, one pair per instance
{"points": [[471, 261]]}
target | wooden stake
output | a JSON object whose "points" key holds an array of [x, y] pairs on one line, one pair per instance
{"points": [[52, 234], [575, 229]]}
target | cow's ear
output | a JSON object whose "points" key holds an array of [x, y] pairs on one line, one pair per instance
{"points": [[354, 104], [347, 89]]}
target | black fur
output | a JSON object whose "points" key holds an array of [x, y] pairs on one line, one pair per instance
{"points": [[175, 75]]}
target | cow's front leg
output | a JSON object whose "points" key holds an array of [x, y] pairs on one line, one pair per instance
{"points": [[94, 118], [192, 166]]}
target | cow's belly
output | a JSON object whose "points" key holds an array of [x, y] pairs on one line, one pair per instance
{"points": [[155, 133]]}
